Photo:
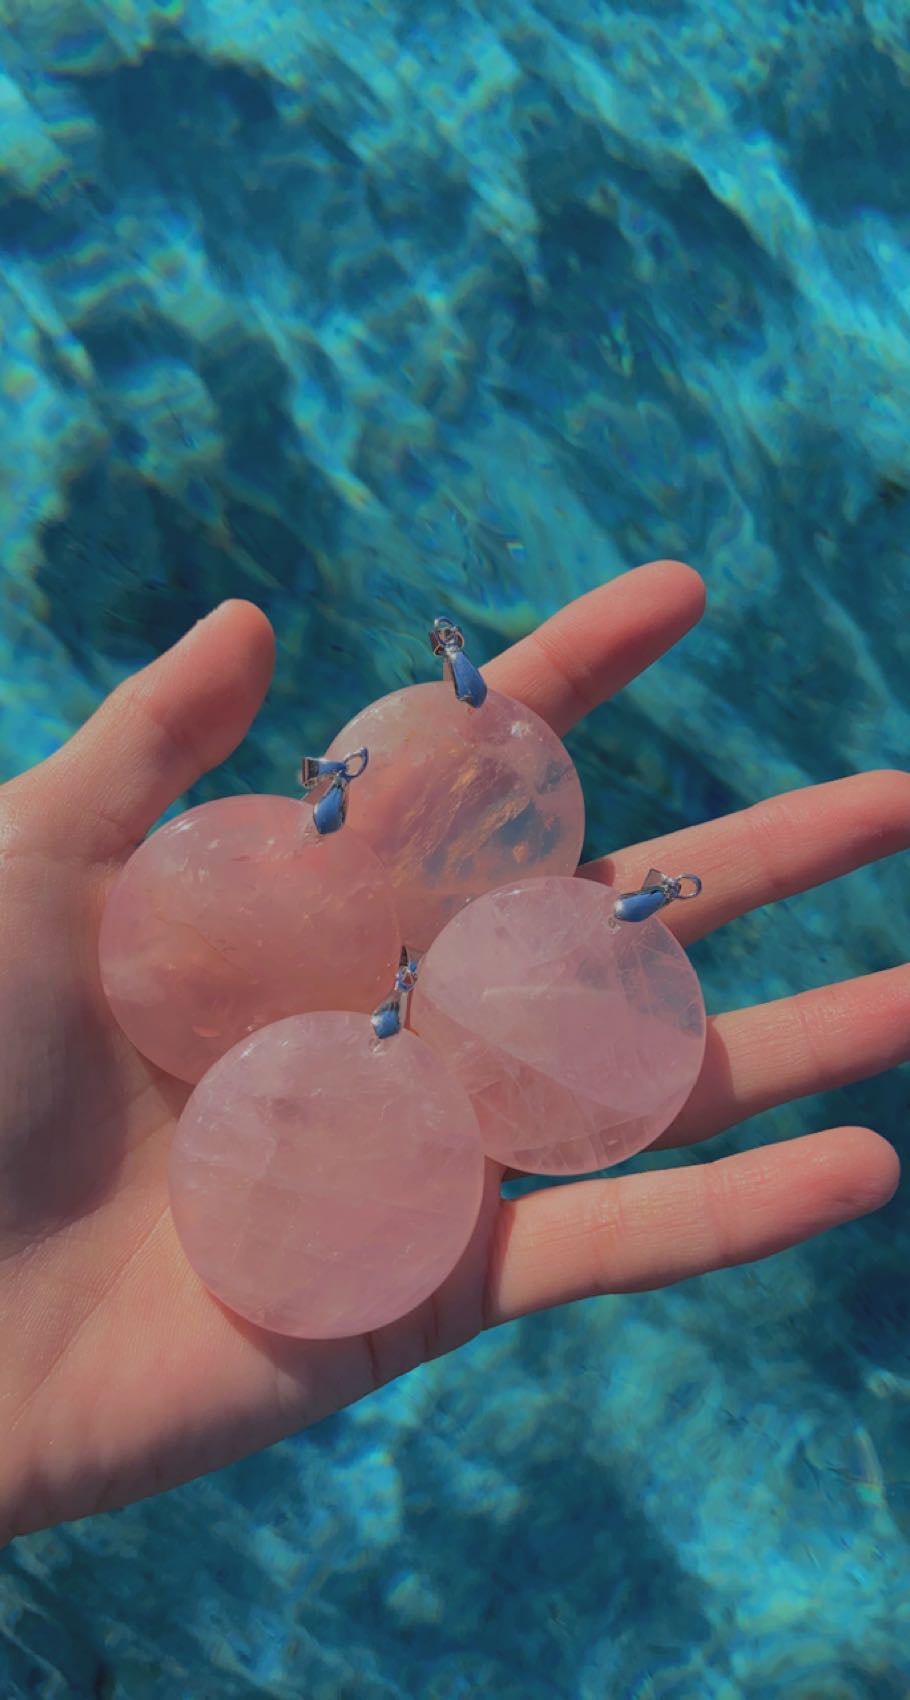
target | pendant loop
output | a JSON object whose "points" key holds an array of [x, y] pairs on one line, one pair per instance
{"points": [[314, 768], [447, 640], [445, 635], [657, 890], [330, 812], [386, 1018]]}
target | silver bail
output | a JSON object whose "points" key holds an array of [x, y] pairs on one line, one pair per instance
{"points": [[386, 1018], [656, 891], [447, 640], [330, 812]]}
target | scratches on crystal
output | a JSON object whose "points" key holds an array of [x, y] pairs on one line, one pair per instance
{"points": [[283, 921], [457, 804], [577, 1043], [319, 1189]]}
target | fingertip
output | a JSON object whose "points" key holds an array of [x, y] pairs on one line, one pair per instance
{"points": [[695, 584], [233, 605], [235, 641], [864, 1167], [159, 731], [248, 625], [887, 799], [883, 1166], [688, 585]]}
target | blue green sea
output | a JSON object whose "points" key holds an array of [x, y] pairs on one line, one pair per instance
{"points": [[374, 309]]}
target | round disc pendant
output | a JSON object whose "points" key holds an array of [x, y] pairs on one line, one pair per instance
{"points": [[324, 1182], [235, 914], [577, 1037], [457, 800]]}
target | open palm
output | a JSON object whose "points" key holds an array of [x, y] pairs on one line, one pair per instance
{"points": [[120, 1374]]}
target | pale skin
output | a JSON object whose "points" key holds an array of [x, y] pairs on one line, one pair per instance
{"points": [[121, 1375]]}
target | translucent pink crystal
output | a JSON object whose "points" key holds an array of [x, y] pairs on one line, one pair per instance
{"points": [[576, 1040], [235, 914], [324, 1182], [459, 800]]}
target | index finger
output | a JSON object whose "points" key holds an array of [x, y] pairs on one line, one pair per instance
{"points": [[596, 644]]}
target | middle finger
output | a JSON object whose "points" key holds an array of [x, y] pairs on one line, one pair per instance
{"points": [[772, 850]]}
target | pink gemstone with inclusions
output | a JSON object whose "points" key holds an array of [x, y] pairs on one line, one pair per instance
{"points": [[235, 914], [577, 1037], [324, 1182], [458, 800]]}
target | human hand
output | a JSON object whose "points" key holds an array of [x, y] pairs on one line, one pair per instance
{"points": [[121, 1375]]}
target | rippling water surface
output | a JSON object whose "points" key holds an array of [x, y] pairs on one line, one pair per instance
{"points": [[366, 310]]}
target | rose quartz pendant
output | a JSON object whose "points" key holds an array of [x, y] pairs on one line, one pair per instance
{"points": [[235, 914], [324, 1182], [459, 800], [576, 1036]]}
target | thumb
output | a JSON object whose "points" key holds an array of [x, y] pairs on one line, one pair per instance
{"points": [[156, 734]]}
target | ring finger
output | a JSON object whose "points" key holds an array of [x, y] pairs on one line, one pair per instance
{"points": [[772, 850]]}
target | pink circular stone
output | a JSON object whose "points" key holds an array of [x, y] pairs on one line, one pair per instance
{"points": [[235, 914], [324, 1182], [577, 1040], [458, 800]]}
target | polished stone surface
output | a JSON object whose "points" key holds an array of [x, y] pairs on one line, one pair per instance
{"points": [[365, 407], [577, 1038], [458, 800], [324, 1182], [235, 914]]}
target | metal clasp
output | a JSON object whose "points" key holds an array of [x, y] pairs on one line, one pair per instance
{"points": [[656, 891], [330, 812], [386, 1018], [447, 639]]}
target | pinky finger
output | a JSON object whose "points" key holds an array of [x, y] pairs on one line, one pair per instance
{"points": [[642, 1231]]}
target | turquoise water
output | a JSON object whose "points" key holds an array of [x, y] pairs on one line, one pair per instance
{"points": [[365, 310]]}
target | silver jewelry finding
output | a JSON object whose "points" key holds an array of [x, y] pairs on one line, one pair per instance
{"points": [[447, 640], [330, 812], [386, 1018], [656, 891]]}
